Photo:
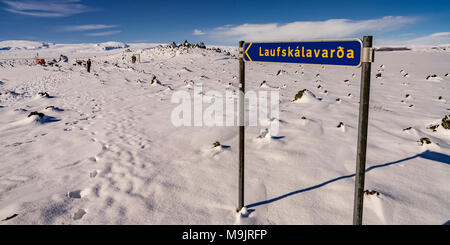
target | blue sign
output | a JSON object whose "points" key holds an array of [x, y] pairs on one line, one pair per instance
{"points": [[323, 52]]}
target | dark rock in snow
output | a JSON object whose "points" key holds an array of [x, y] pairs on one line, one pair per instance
{"points": [[446, 122], [39, 114], [44, 94], [425, 140], [378, 75], [216, 144], [371, 192], [433, 127], [431, 76], [299, 94]]}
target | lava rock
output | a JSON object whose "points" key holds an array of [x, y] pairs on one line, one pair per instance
{"points": [[299, 94], [433, 127], [44, 94], [425, 140], [446, 122], [371, 192], [39, 114]]}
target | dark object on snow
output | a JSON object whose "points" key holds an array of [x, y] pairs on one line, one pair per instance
{"points": [[392, 49], [340, 124], [10, 217], [338, 99], [372, 192], [431, 76], [408, 128], [39, 114], [216, 144], [299, 94], [440, 98], [378, 75], [446, 122], [133, 59], [303, 117], [89, 65], [154, 80], [425, 140], [44, 94], [433, 127]]}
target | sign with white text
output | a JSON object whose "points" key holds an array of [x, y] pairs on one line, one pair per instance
{"points": [[322, 52]]}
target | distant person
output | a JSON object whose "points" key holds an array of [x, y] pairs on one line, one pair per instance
{"points": [[89, 65]]}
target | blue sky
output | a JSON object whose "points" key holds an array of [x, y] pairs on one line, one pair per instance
{"points": [[224, 22]]}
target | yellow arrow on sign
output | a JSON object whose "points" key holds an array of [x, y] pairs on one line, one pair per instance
{"points": [[247, 50]]}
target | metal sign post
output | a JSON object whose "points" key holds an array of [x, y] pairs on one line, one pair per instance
{"points": [[344, 53], [362, 129], [241, 126]]}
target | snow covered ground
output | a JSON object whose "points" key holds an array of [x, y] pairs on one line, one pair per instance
{"points": [[106, 151]]}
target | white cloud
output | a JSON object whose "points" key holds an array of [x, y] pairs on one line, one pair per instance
{"points": [[198, 32], [303, 30], [88, 27], [46, 8], [106, 33], [439, 38], [433, 39]]}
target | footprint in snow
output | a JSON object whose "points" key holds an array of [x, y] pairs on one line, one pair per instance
{"points": [[74, 194], [79, 214]]}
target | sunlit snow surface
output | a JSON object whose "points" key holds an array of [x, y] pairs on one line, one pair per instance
{"points": [[108, 153]]}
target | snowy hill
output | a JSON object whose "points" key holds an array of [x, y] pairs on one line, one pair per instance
{"points": [[23, 45], [100, 147]]}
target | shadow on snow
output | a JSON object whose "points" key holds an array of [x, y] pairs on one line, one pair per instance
{"points": [[430, 155]]}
